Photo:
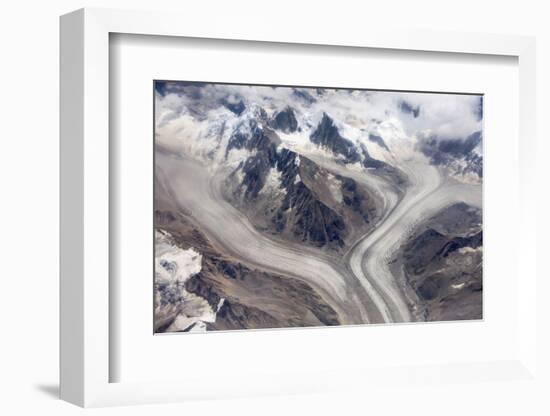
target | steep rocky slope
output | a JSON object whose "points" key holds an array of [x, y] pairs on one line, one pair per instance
{"points": [[239, 297], [442, 264], [290, 195]]}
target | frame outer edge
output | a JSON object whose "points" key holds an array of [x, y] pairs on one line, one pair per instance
{"points": [[95, 182], [84, 162], [71, 203], [527, 267]]}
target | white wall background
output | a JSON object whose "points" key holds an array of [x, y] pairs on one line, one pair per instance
{"points": [[29, 207]]}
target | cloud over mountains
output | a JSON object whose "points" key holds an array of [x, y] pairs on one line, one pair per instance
{"points": [[443, 116]]}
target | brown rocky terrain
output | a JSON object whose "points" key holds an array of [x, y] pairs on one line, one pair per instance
{"points": [[442, 264], [247, 298]]}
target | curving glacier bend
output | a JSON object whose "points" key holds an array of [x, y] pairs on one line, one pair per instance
{"points": [[313, 213], [232, 231]]}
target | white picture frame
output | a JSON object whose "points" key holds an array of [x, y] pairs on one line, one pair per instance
{"points": [[85, 164]]}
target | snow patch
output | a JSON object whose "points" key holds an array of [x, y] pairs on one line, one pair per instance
{"points": [[335, 188], [273, 182], [459, 169], [172, 264], [200, 326], [470, 250], [236, 156], [173, 267]]}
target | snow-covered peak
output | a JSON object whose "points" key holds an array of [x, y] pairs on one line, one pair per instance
{"points": [[172, 263], [253, 111]]}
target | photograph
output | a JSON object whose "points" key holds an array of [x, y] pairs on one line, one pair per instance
{"points": [[223, 208], [285, 206]]}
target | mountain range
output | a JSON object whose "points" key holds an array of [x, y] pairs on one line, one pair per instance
{"points": [[314, 207]]}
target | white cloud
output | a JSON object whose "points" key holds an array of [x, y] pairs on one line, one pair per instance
{"points": [[442, 115]]}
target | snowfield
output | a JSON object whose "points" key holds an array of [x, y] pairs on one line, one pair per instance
{"points": [[173, 267]]}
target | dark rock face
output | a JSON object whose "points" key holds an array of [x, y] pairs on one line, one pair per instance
{"points": [[446, 280], [233, 315], [355, 199], [255, 169], [303, 209], [198, 286], [228, 269], [457, 243], [252, 134], [422, 250], [236, 108], [378, 140], [347, 200], [408, 108], [475, 164], [458, 219], [382, 167], [287, 164], [370, 162], [433, 246], [443, 152], [236, 141], [459, 148], [300, 213], [285, 121], [303, 95], [310, 219], [327, 135]]}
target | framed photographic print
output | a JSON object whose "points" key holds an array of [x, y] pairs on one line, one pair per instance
{"points": [[314, 206], [279, 206]]}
